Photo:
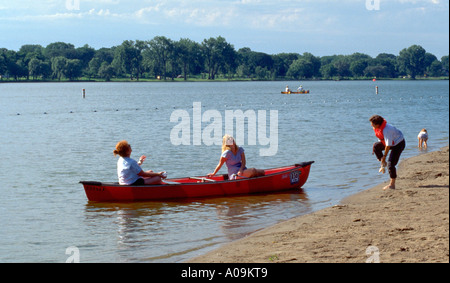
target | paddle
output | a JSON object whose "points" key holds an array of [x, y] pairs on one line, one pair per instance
{"points": [[202, 179]]}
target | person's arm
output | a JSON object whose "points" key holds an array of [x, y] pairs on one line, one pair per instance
{"points": [[383, 159], [141, 160], [243, 164], [221, 162]]}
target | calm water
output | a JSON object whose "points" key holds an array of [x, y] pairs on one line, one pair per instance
{"points": [[60, 139]]}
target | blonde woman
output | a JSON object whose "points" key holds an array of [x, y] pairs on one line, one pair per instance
{"points": [[129, 171], [234, 157]]}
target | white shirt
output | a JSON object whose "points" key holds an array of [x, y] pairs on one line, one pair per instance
{"points": [[392, 136], [128, 170]]}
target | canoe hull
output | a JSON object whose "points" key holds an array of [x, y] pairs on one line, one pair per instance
{"points": [[277, 179], [295, 92]]}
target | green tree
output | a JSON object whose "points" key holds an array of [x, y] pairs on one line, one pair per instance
{"points": [[15, 65], [73, 69], [188, 55], [389, 61], [435, 69], [300, 69], [218, 55], [158, 55], [58, 66], [328, 71], [357, 67], [342, 66], [128, 59], [412, 61], [3, 66], [315, 63], [57, 49], [106, 71], [444, 62], [282, 62], [250, 60], [376, 71], [85, 54], [94, 67], [34, 67]]}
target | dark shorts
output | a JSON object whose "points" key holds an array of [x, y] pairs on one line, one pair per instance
{"points": [[139, 182], [394, 156]]}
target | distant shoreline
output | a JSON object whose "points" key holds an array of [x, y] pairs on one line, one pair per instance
{"points": [[218, 80]]}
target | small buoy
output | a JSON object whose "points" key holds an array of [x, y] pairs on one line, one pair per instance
{"points": [[374, 80], [18, 114]]}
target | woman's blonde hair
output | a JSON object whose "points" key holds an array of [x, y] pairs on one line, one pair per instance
{"points": [[122, 148], [227, 142]]}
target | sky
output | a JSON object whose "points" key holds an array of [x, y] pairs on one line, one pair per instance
{"points": [[320, 27]]}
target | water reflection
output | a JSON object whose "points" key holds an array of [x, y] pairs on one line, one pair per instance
{"points": [[150, 231]]}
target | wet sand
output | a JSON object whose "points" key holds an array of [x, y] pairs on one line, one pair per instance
{"points": [[409, 224]]}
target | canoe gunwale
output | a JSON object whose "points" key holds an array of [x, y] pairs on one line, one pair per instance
{"points": [[276, 180], [116, 184]]}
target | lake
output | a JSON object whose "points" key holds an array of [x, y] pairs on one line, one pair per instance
{"points": [[53, 138]]}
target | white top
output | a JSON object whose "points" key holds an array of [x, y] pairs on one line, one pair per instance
{"points": [[392, 135], [128, 170], [423, 135]]}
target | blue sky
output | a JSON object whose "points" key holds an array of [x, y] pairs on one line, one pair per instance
{"points": [[321, 27]]}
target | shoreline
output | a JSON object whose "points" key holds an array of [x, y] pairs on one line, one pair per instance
{"points": [[196, 80], [409, 224]]}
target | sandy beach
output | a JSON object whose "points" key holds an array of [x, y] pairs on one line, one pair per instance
{"points": [[409, 224]]}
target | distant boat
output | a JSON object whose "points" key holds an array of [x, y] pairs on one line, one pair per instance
{"points": [[275, 180], [295, 92]]}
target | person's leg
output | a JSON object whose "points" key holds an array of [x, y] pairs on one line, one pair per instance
{"points": [[394, 157], [252, 172], [378, 148], [249, 173], [153, 181]]}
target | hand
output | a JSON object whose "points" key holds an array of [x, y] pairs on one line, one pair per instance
{"points": [[162, 175], [141, 160], [210, 175], [383, 161]]}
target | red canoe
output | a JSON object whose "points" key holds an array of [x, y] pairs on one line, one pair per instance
{"points": [[295, 92], [277, 179]]}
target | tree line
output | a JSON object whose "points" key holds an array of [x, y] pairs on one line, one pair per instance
{"points": [[165, 59]]}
